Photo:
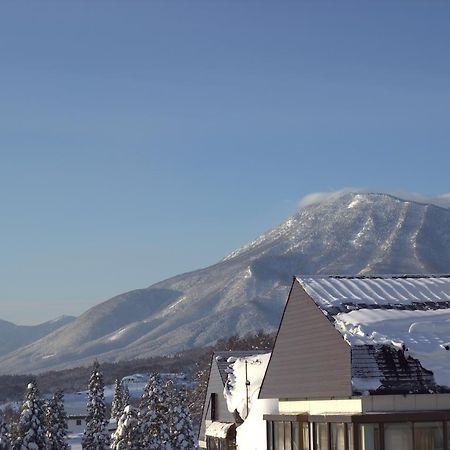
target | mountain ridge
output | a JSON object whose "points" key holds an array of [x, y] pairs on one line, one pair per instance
{"points": [[346, 234], [13, 336]]}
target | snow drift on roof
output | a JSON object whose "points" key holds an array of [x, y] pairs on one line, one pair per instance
{"points": [[410, 314], [329, 292], [249, 369]]}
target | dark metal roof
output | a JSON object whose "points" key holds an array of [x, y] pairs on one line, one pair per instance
{"points": [[395, 372]]}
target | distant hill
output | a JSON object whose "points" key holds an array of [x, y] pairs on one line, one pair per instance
{"points": [[14, 336], [350, 233]]}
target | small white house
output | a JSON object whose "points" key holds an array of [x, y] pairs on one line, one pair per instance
{"points": [[76, 424], [232, 413]]}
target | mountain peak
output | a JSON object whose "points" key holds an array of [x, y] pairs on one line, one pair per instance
{"points": [[345, 233], [442, 200]]}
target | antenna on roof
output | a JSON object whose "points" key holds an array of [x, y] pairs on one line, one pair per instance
{"points": [[247, 384]]}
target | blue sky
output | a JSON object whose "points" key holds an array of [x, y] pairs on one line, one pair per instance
{"points": [[139, 140]]}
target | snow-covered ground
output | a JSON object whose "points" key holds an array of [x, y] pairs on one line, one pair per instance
{"points": [[75, 441]]}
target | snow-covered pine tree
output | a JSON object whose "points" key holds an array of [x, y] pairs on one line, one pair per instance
{"points": [[5, 439], [117, 406], [96, 436], [62, 427], [125, 395], [56, 420], [153, 410], [181, 429], [127, 434], [31, 430]]}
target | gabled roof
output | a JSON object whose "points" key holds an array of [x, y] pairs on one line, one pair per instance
{"points": [[224, 359], [397, 326]]}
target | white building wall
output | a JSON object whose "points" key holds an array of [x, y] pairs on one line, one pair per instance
{"points": [[370, 403], [73, 427]]}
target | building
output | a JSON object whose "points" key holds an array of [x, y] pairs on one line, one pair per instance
{"points": [[362, 363], [76, 422], [218, 425]]}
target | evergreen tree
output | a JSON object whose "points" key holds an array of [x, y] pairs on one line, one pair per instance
{"points": [[96, 435], [125, 395], [127, 434], [181, 429], [31, 430], [56, 420], [5, 438], [117, 405], [153, 411]]}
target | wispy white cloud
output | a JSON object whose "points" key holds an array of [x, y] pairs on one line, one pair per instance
{"points": [[442, 200]]}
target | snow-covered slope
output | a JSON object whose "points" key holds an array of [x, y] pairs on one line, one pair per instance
{"points": [[14, 336], [357, 233]]}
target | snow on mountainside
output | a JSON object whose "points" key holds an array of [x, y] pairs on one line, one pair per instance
{"points": [[350, 233], [14, 336]]}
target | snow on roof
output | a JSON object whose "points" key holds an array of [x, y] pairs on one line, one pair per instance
{"points": [[218, 429], [356, 292], [244, 380], [409, 314], [245, 376], [224, 359]]}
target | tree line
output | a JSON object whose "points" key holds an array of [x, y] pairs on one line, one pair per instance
{"points": [[160, 421], [41, 425], [47, 421]]}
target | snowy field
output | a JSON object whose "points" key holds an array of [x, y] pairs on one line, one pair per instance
{"points": [[75, 441]]}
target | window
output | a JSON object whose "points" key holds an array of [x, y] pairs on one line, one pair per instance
{"points": [[279, 442], [215, 443], [369, 436], [350, 436], [337, 435], [448, 434], [285, 435], [305, 435], [213, 410], [270, 435], [321, 436], [295, 435], [398, 436], [428, 436], [78, 421]]}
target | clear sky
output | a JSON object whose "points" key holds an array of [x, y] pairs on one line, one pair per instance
{"points": [[139, 140]]}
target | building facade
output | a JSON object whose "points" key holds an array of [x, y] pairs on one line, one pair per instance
{"points": [[362, 363]]}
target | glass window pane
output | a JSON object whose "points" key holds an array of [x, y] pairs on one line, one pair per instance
{"points": [[398, 436], [369, 436], [337, 431], [275, 435], [287, 436], [321, 436], [269, 435], [295, 435], [305, 436], [350, 436], [279, 445], [448, 435], [428, 436]]}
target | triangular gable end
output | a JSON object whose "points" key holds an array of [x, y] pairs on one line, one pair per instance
{"points": [[310, 358]]}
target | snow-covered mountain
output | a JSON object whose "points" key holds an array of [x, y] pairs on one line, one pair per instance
{"points": [[349, 233], [14, 336]]}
